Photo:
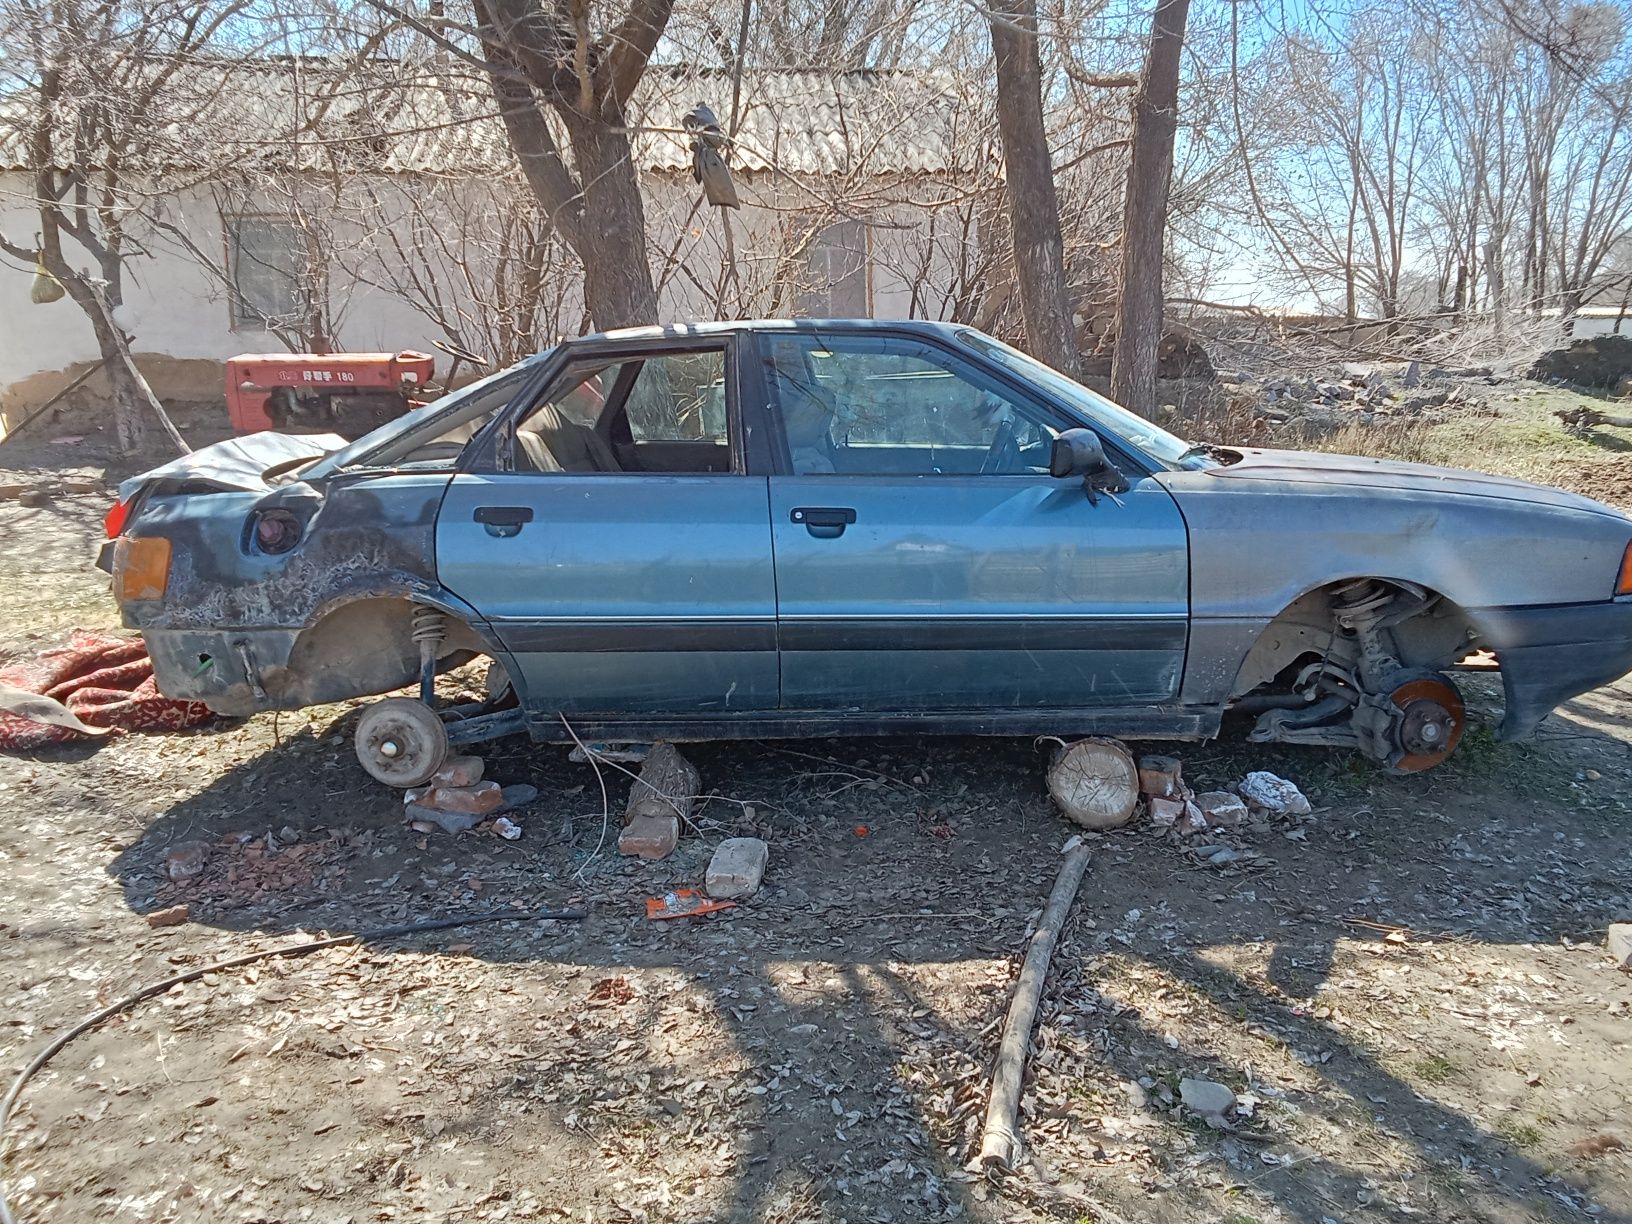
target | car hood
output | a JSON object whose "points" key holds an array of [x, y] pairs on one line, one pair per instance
{"points": [[237, 463], [1354, 471]]}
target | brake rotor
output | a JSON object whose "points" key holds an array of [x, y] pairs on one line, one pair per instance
{"points": [[401, 742], [1430, 722]]}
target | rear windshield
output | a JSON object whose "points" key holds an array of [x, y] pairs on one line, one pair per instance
{"points": [[433, 435]]}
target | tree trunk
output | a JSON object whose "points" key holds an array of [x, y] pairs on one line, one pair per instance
{"points": [[1144, 224], [618, 288], [667, 785], [1034, 207], [133, 399]]}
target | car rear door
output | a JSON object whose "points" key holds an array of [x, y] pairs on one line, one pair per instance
{"points": [[926, 560], [613, 541]]}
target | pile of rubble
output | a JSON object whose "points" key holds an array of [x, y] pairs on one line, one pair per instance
{"points": [[1206, 820], [1362, 393], [661, 803], [1601, 362], [457, 799]]}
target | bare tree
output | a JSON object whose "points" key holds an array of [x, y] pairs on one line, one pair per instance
{"points": [[105, 97], [1144, 226], [545, 64], [1034, 206]]}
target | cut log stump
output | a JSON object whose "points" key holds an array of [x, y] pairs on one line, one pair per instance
{"points": [[667, 786], [1095, 782]]}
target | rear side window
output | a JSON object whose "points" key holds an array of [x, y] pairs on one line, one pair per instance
{"points": [[662, 413]]}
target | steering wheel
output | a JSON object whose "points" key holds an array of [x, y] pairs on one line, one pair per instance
{"points": [[998, 451]]}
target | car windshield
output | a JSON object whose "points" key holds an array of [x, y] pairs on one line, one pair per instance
{"points": [[428, 436], [1116, 420]]}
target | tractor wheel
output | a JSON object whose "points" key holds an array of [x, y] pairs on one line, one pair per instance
{"points": [[401, 742]]}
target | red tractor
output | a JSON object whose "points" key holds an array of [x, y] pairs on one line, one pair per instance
{"points": [[344, 393]]}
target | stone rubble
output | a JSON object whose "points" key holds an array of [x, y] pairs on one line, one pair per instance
{"points": [[1619, 942], [737, 868], [1273, 795], [1205, 1098]]}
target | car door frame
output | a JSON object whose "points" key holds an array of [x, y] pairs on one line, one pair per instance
{"points": [[491, 452], [752, 450], [1127, 458]]}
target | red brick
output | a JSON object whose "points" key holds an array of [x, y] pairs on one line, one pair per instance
{"points": [[459, 771], [650, 837], [477, 800]]}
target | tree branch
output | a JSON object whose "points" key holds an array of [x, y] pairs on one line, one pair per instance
{"points": [[632, 44]]}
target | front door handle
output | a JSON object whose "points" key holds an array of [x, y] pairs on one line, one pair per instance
{"points": [[503, 521], [824, 522]]}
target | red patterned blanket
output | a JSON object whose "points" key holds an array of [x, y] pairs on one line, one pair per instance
{"points": [[94, 685]]}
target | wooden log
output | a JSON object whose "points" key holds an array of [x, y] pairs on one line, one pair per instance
{"points": [[667, 786], [999, 1144], [1096, 783]]}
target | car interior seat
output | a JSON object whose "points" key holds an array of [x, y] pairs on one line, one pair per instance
{"points": [[573, 447], [807, 419]]}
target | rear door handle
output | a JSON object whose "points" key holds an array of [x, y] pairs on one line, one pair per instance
{"points": [[824, 522], [503, 521]]}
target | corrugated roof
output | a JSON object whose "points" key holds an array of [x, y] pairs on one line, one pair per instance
{"points": [[400, 118]]}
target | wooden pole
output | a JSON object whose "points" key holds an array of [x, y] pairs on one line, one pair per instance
{"points": [[999, 1144], [53, 401]]}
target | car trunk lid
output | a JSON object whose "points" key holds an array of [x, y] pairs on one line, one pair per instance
{"points": [[235, 464]]}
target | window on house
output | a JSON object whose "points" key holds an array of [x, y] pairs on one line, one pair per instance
{"points": [[266, 257], [836, 273]]}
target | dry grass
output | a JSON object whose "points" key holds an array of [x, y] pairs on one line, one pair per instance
{"points": [[1517, 435]]}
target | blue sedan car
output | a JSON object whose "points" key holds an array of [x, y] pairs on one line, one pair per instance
{"points": [[852, 527]]}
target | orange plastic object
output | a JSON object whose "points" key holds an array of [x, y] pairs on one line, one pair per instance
{"points": [[141, 568], [253, 377], [1623, 581], [684, 903]]}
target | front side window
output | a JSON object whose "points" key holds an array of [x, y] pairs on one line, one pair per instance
{"points": [[266, 260], [1102, 414], [862, 405]]}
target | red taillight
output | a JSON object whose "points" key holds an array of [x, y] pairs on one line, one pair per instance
{"points": [[114, 523]]}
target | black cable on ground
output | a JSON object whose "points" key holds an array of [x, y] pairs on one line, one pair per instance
{"points": [[158, 988]]}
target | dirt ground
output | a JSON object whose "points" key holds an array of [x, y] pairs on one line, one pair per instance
{"points": [[1407, 990]]}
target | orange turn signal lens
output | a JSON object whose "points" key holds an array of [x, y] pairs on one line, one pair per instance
{"points": [[1623, 580], [141, 568]]}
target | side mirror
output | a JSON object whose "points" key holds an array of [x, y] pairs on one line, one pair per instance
{"points": [[1078, 452]]}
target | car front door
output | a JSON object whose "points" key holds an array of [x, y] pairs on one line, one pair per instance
{"points": [[925, 559], [609, 536]]}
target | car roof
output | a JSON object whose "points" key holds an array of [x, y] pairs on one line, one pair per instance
{"points": [[732, 326]]}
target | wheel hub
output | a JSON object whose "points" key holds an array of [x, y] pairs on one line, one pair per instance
{"points": [[401, 742], [1428, 724]]}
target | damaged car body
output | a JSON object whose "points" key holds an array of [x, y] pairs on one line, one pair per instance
{"points": [[853, 527]]}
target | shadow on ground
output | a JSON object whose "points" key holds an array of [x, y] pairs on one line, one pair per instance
{"points": [[959, 847]]}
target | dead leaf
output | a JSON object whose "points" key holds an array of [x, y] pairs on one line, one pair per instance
{"points": [[1597, 1145]]}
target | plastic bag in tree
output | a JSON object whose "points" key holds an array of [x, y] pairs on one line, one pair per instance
{"points": [[47, 288]]}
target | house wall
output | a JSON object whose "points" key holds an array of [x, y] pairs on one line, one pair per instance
{"points": [[180, 314], [1589, 324]]}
